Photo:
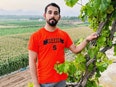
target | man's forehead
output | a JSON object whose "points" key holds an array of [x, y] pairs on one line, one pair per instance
{"points": [[52, 8]]}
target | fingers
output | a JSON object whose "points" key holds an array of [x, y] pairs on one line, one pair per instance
{"points": [[95, 35]]}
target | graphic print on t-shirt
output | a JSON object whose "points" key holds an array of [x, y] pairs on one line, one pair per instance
{"points": [[53, 41]]}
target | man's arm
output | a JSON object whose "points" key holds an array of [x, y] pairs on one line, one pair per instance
{"points": [[81, 46], [32, 66]]}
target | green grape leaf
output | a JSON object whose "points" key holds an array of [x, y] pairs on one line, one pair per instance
{"points": [[109, 1], [99, 55], [30, 84], [70, 3], [103, 6], [93, 52], [98, 73], [114, 49], [72, 68], [110, 9], [81, 67], [102, 66], [66, 67], [115, 34], [60, 68]]}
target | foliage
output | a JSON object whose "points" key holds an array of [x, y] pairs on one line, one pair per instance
{"points": [[13, 64], [78, 67], [30, 84], [88, 65], [71, 3]]}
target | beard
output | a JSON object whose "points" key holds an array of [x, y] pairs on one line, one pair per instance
{"points": [[52, 22]]}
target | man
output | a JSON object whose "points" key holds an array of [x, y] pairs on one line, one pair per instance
{"points": [[46, 48]]}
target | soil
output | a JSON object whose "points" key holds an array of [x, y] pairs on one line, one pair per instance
{"points": [[17, 79]]}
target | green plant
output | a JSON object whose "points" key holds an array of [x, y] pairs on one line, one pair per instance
{"points": [[30, 84], [87, 66], [13, 64]]}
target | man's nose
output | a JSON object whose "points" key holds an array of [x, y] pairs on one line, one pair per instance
{"points": [[52, 15]]}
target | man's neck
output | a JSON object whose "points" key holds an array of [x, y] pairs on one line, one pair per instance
{"points": [[50, 28]]}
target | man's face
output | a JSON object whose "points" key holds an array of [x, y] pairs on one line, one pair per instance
{"points": [[52, 15]]}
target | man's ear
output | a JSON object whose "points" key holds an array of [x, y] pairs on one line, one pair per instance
{"points": [[44, 15], [59, 17]]}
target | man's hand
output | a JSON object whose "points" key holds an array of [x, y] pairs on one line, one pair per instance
{"points": [[37, 85], [92, 37]]}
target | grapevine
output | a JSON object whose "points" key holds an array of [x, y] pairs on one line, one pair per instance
{"points": [[85, 70]]}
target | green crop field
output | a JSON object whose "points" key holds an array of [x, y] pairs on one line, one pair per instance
{"points": [[18, 27], [16, 44], [15, 33]]}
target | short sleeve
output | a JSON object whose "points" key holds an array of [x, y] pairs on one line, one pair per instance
{"points": [[69, 41], [33, 43]]}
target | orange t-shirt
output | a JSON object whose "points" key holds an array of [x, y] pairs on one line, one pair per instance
{"points": [[50, 49]]}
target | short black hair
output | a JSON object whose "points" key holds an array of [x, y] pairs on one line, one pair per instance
{"points": [[52, 4]]}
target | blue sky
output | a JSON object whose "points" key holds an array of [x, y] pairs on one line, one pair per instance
{"points": [[37, 6]]}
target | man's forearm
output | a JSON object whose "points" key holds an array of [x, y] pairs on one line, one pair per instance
{"points": [[82, 45], [76, 49], [33, 71]]}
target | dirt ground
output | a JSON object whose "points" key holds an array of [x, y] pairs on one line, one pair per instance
{"points": [[18, 79]]}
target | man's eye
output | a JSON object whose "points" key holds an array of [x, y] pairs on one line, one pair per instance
{"points": [[49, 12], [55, 13]]}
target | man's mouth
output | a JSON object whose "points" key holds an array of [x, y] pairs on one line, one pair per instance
{"points": [[52, 21]]}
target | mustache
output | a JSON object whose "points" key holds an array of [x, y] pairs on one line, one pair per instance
{"points": [[52, 19]]}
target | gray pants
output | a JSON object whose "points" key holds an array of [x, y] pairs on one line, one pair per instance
{"points": [[58, 84]]}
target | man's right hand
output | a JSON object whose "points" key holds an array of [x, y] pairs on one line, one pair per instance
{"points": [[37, 85]]}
